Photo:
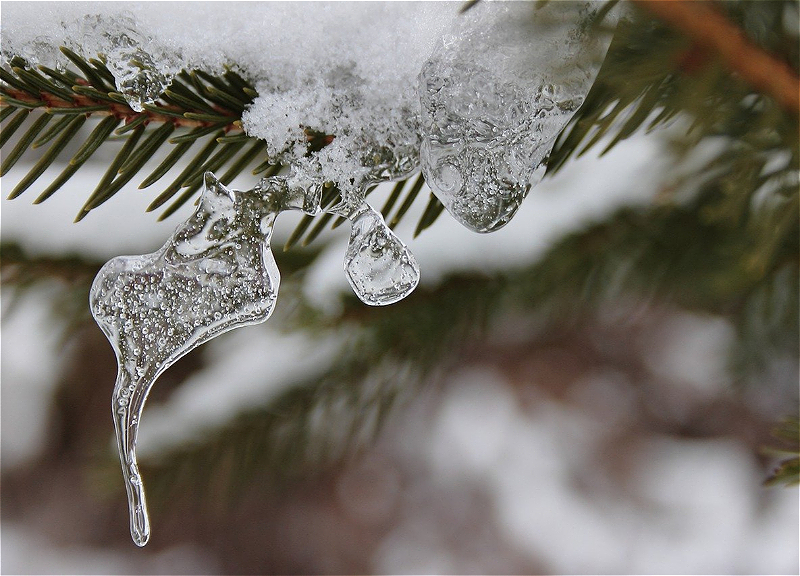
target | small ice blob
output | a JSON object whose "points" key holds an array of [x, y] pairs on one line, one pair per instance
{"points": [[214, 274], [140, 76], [494, 96], [379, 266]]}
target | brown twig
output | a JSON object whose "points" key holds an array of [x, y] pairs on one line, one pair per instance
{"points": [[710, 29], [119, 110]]}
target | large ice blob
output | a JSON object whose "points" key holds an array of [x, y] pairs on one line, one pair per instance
{"points": [[494, 96], [214, 274]]}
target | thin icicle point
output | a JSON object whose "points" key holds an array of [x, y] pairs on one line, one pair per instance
{"points": [[494, 95], [214, 274]]}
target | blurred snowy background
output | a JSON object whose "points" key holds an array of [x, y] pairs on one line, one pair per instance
{"points": [[617, 433]]}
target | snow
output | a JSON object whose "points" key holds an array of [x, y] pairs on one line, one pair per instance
{"points": [[370, 52], [689, 506], [26, 552]]}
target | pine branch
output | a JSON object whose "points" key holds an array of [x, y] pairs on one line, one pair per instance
{"points": [[313, 425], [653, 75], [187, 112], [197, 107], [788, 471], [649, 78]]}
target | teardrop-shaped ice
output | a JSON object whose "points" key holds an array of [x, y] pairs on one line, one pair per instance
{"points": [[380, 268], [495, 95], [214, 274]]}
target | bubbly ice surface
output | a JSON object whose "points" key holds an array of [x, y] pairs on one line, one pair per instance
{"points": [[494, 96], [214, 274]]}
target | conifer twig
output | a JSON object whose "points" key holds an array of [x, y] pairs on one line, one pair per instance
{"points": [[710, 29], [80, 102]]}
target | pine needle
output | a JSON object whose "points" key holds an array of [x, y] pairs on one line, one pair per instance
{"points": [[49, 156], [12, 126], [24, 143], [99, 135]]}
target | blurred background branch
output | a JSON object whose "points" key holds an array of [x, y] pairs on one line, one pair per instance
{"points": [[705, 25]]}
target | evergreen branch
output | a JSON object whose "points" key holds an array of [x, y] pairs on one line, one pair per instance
{"points": [[193, 167], [49, 157], [76, 98], [104, 190], [170, 161], [93, 142], [12, 126], [711, 30], [24, 143], [429, 216], [313, 425], [17, 267], [392, 198], [649, 77], [409, 200]]}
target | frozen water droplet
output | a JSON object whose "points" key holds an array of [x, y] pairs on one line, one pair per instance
{"points": [[215, 273], [494, 97], [378, 265], [380, 268]]}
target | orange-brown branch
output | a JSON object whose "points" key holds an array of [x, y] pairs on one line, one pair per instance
{"points": [[113, 109], [710, 29]]}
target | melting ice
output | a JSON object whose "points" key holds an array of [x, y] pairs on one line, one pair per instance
{"points": [[214, 274], [494, 96], [379, 266]]}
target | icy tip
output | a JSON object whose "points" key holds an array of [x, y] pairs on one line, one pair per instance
{"points": [[140, 529], [210, 180]]}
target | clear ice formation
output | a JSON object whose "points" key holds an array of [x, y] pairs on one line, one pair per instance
{"points": [[494, 97], [214, 274], [141, 77], [379, 266]]}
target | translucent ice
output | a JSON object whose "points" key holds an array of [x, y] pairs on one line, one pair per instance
{"points": [[214, 274], [379, 266], [494, 95], [140, 76]]}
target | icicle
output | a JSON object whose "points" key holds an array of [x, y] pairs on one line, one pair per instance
{"points": [[495, 96], [214, 274]]}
